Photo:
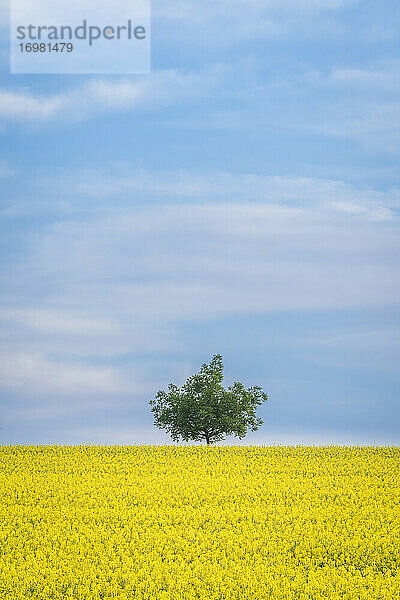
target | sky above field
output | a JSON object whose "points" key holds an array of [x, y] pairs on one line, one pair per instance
{"points": [[242, 199]]}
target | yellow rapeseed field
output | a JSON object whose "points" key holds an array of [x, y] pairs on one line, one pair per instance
{"points": [[208, 523]]}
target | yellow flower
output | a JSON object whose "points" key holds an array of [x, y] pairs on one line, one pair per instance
{"points": [[183, 523]]}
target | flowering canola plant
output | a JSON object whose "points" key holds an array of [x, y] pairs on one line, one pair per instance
{"points": [[192, 522]]}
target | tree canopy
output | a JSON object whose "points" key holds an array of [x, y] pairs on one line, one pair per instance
{"points": [[203, 410]]}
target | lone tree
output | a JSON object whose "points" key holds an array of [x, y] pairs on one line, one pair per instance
{"points": [[203, 410]]}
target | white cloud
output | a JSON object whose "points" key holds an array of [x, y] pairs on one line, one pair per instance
{"points": [[205, 259], [120, 280], [372, 123], [327, 195], [161, 88], [233, 98], [40, 387], [55, 322], [379, 79], [81, 332], [34, 374], [24, 106]]}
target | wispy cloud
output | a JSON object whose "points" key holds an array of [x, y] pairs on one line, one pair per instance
{"points": [[56, 322], [235, 98], [301, 244], [380, 80], [124, 183], [34, 373], [40, 387], [122, 280], [76, 332], [161, 89]]}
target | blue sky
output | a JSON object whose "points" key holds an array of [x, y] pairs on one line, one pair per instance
{"points": [[243, 199]]}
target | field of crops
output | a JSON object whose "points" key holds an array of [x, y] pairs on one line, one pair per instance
{"points": [[158, 523]]}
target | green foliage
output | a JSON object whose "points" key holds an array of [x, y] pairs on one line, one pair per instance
{"points": [[203, 409]]}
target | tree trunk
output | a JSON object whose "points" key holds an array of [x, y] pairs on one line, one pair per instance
{"points": [[207, 439]]}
